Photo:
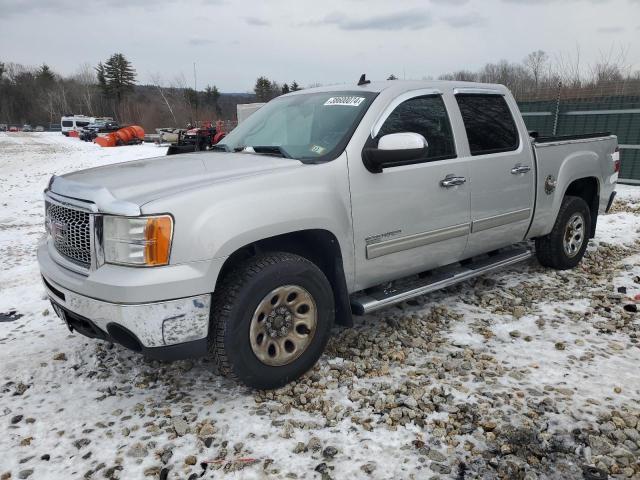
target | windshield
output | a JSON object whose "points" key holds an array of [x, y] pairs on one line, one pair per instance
{"points": [[310, 126]]}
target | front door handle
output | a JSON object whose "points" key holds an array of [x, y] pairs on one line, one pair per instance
{"points": [[519, 169], [452, 181]]}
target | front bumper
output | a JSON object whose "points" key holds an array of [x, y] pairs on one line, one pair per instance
{"points": [[160, 309], [167, 330], [131, 285]]}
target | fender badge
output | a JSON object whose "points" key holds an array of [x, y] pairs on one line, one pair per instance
{"points": [[373, 239], [550, 184]]}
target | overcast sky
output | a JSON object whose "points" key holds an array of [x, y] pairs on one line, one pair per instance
{"points": [[327, 41]]}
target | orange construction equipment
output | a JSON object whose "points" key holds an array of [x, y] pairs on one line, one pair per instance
{"points": [[133, 135], [109, 140]]}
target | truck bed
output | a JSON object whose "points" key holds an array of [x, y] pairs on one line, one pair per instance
{"points": [[564, 157], [565, 138]]}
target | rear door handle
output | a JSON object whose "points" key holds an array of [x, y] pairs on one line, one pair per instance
{"points": [[452, 181], [518, 169]]}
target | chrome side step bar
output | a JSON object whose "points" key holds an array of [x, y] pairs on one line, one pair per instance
{"points": [[370, 301]]}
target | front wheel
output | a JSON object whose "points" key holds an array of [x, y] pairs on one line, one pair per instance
{"points": [[564, 247], [271, 319]]}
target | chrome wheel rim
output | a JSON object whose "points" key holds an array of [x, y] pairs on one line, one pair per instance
{"points": [[283, 325], [574, 235]]}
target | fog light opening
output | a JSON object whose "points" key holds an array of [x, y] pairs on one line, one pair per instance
{"points": [[124, 337]]}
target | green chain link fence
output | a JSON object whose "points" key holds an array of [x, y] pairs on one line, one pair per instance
{"points": [[613, 107]]}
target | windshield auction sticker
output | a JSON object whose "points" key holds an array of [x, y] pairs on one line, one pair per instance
{"points": [[345, 101]]}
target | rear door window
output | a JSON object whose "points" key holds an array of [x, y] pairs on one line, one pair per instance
{"points": [[489, 123], [427, 116], [67, 123]]}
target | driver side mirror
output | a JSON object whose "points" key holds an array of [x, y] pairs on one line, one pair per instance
{"points": [[395, 150]]}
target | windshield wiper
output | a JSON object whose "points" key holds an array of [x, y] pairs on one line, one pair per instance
{"points": [[266, 149], [221, 147]]}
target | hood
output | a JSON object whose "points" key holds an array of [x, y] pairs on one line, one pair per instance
{"points": [[142, 181]]}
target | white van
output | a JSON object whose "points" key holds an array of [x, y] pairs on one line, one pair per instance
{"points": [[74, 123]]}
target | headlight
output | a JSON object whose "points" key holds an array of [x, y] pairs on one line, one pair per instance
{"points": [[141, 241]]}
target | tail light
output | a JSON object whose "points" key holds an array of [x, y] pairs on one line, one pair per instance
{"points": [[616, 160]]}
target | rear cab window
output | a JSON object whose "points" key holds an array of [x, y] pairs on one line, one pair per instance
{"points": [[489, 123], [427, 116]]}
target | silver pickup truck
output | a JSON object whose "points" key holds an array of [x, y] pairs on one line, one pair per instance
{"points": [[325, 203]]}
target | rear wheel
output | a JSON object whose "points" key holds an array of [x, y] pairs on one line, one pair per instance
{"points": [[271, 320], [564, 247]]}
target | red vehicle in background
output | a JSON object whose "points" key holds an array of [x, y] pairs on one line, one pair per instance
{"points": [[14, 129], [198, 138]]}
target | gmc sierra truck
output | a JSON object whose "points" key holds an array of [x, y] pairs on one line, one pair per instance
{"points": [[325, 203]]}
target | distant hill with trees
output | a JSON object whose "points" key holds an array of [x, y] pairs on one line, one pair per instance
{"points": [[39, 96], [540, 75]]}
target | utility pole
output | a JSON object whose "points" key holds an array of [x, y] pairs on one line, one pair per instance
{"points": [[195, 89], [555, 121]]}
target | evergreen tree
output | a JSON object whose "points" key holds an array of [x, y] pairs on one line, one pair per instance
{"points": [[392, 77], [211, 96], [295, 87], [118, 75], [44, 75], [263, 89], [285, 89], [275, 90], [102, 82], [216, 96], [191, 96], [208, 95]]}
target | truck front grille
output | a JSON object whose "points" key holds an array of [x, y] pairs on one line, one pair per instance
{"points": [[70, 231]]}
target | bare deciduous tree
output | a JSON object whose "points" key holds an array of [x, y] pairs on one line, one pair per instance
{"points": [[87, 79], [536, 63], [611, 66], [460, 75], [157, 82], [568, 68]]}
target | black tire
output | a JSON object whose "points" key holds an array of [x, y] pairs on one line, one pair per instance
{"points": [[235, 302], [550, 249]]}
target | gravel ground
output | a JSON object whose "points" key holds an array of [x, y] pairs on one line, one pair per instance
{"points": [[524, 374]]}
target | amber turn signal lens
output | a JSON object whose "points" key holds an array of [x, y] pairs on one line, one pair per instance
{"points": [[157, 235]]}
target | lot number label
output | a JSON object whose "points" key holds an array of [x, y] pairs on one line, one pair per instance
{"points": [[345, 101]]}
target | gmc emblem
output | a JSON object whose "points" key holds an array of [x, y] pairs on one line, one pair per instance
{"points": [[57, 230]]}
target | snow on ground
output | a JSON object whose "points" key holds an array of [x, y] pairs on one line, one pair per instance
{"points": [[526, 372], [619, 228], [627, 193]]}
